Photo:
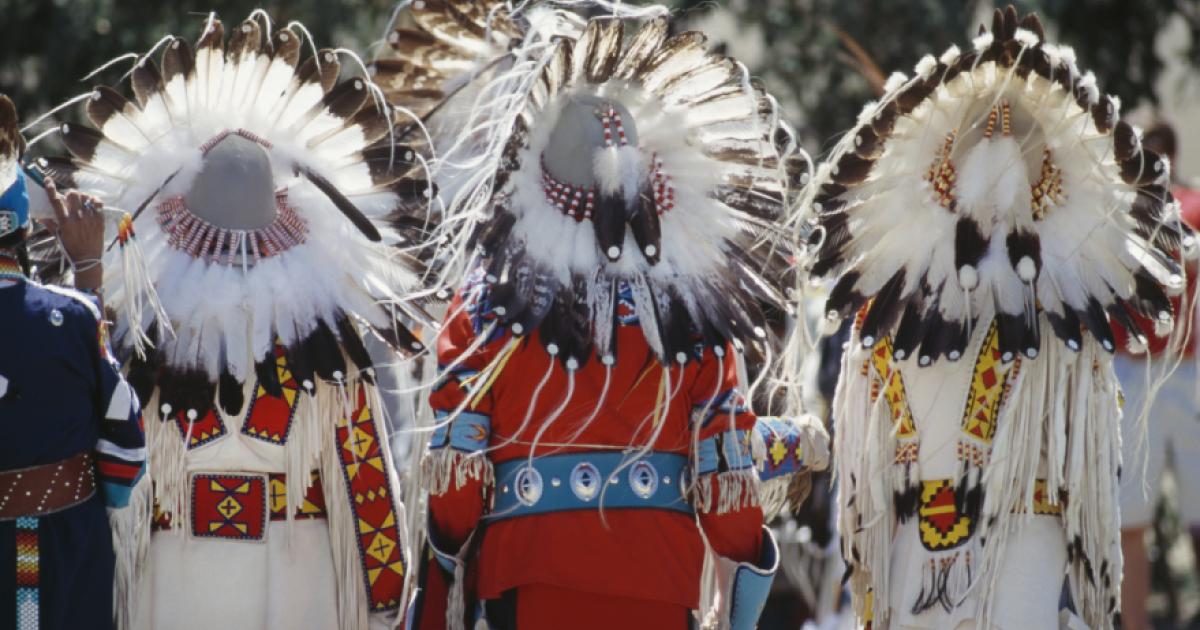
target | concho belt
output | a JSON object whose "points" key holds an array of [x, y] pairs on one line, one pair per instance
{"points": [[590, 481], [45, 489]]}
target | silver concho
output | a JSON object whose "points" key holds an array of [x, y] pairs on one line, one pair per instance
{"points": [[528, 485], [56, 317], [643, 479], [585, 481]]}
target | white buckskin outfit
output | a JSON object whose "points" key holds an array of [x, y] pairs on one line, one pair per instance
{"points": [[987, 222], [259, 184]]}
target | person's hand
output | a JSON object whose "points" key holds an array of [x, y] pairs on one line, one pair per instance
{"points": [[79, 223]]}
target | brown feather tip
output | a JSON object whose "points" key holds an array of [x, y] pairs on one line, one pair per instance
{"points": [[10, 131], [343, 204]]}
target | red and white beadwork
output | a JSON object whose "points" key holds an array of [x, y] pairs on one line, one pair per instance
{"points": [[576, 202], [660, 183], [201, 239], [614, 129], [249, 135]]}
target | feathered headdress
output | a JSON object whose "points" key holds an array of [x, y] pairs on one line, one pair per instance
{"points": [[259, 183], [434, 47], [14, 199], [608, 159], [991, 207], [998, 177]]}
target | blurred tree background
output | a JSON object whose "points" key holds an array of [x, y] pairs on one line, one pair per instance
{"points": [[47, 46], [823, 58]]}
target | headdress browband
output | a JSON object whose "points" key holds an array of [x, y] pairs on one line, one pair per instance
{"points": [[249, 135]]}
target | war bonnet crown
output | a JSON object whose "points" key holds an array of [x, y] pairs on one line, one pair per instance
{"points": [[258, 181], [1020, 188], [613, 159]]}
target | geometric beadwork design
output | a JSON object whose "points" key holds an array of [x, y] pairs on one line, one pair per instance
{"points": [[269, 418], [906, 453], [941, 524], [942, 176], [28, 570], [988, 384], [313, 505], [203, 430], [229, 506], [893, 390], [1048, 191], [371, 501], [1041, 503], [784, 448]]}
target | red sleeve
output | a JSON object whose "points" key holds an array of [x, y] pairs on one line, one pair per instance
{"points": [[462, 394], [463, 353], [462, 404], [720, 414]]}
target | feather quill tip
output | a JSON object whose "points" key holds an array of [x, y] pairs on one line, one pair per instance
{"points": [[1164, 324], [926, 66], [1026, 37], [867, 113], [894, 82], [829, 324], [1136, 344], [951, 55], [1088, 83], [982, 41], [1067, 54]]}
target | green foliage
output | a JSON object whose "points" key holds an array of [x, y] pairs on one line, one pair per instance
{"points": [[47, 46]]}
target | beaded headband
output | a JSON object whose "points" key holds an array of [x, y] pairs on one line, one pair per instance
{"points": [[199, 238]]}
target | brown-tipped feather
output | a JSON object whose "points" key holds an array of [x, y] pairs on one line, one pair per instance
{"points": [[61, 170], [81, 141], [346, 98], [212, 39], [603, 47], [1104, 114], [372, 122], [286, 46], [178, 60], [1010, 22], [1032, 24], [323, 67], [246, 40], [105, 104], [678, 44], [644, 43], [343, 204], [556, 69], [146, 81]]}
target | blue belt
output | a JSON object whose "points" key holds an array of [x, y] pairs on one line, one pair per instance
{"points": [[586, 481]]}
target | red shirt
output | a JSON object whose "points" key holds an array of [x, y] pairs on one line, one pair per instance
{"points": [[644, 554]]}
